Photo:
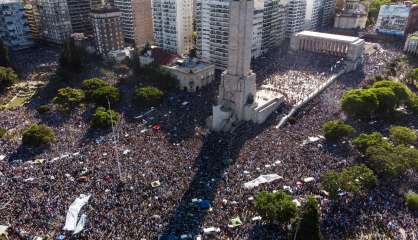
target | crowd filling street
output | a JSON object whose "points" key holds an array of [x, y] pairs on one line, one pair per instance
{"points": [[170, 164]]}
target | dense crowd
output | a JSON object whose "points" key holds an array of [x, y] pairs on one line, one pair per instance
{"points": [[26, 61], [170, 161], [295, 76]]}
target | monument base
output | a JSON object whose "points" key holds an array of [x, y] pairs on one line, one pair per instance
{"points": [[266, 102]]}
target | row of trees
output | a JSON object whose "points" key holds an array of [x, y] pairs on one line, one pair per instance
{"points": [[101, 94], [381, 99], [94, 91], [387, 157], [278, 207]]}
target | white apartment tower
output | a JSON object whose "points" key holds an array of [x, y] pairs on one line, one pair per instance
{"points": [[312, 18], [55, 20], [173, 25], [295, 17], [212, 24]]}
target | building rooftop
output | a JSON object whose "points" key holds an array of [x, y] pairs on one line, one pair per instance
{"points": [[188, 65], [328, 36]]}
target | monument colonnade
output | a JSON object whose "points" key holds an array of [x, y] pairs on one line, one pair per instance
{"points": [[328, 46]]}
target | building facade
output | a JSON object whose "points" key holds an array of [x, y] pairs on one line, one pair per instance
{"points": [[411, 44], [33, 18], [327, 13], [412, 25], [352, 15], [191, 74], [143, 25], [212, 25], [107, 29], [136, 20], [393, 19], [295, 17], [79, 11], [55, 20], [14, 29], [173, 25], [312, 18]]}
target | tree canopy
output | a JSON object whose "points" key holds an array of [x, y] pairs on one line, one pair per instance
{"points": [[7, 77], [309, 225], [103, 118], [38, 135], [69, 98], [276, 206], [105, 95], [356, 179], [336, 130], [148, 96]]}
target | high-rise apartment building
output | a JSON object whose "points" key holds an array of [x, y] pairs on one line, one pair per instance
{"points": [[14, 29], [295, 17], [327, 13], [274, 23], [33, 18], [80, 15], [107, 28], [136, 20], [212, 25], [173, 25], [312, 18], [55, 20]]}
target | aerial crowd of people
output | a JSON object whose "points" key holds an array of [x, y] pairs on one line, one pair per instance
{"points": [[149, 176]]}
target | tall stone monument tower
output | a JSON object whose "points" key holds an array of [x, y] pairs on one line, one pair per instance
{"points": [[238, 98], [238, 87]]}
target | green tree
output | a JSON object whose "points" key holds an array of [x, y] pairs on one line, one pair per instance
{"points": [[359, 102], [92, 84], [407, 156], [403, 135], [7, 77], [43, 109], [4, 55], [103, 118], [412, 105], [336, 130], [364, 141], [38, 135], [69, 98], [159, 77], [355, 179], [403, 94], [387, 99], [148, 96], [385, 162], [309, 225], [277, 206], [411, 199], [2, 132], [105, 95]]}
